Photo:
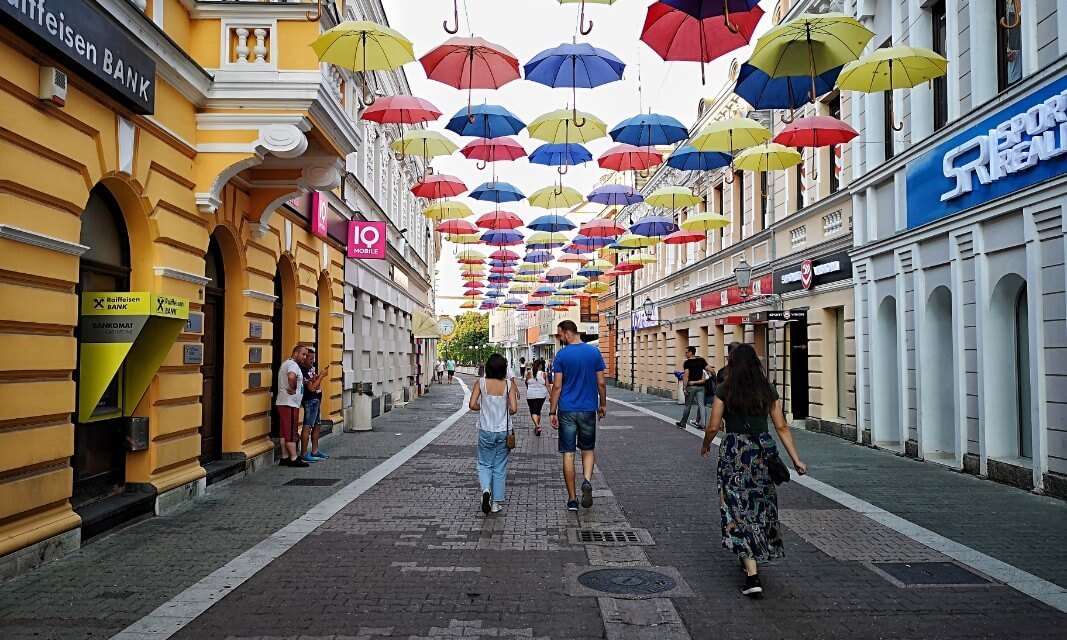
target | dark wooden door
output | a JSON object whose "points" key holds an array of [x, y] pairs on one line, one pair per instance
{"points": [[211, 398]]}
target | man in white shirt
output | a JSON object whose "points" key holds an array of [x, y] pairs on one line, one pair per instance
{"points": [[288, 401]]}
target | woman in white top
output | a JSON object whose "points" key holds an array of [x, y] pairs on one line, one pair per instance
{"points": [[496, 399], [536, 392]]}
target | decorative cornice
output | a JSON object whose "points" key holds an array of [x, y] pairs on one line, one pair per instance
{"points": [[199, 10], [307, 307], [17, 234], [336, 314], [259, 295], [184, 276]]}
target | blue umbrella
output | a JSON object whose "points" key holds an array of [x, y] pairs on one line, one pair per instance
{"points": [[538, 257], [591, 243], [649, 130], [787, 92], [687, 158], [497, 192], [501, 237], [513, 301], [500, 278], [574, 65], [701, 9], [615, 195], [503, 263], [654, 226], [485, 121], [560, 155], [590, 272], [545, 290], [494, 293], [551, 222]]}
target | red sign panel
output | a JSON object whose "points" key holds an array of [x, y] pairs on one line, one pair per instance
{"points": [[366, 240], [806, 273], [320, 214], [726, 297]]}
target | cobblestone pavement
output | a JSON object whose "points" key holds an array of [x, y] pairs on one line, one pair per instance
{"points": [[413, 557]]}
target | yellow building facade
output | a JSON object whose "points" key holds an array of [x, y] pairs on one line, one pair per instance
{"points": [[195, 193]]}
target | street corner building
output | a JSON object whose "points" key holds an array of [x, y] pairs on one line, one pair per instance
{"points": [[182, 191]]}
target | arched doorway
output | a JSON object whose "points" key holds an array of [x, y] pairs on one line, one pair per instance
{"points": [[99, 460], [940, 441], [211, 398], [1010, 428], [888, 422]]}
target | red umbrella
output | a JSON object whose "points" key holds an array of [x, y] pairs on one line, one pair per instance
{"points": [[500, 220], [401, 110], [683, 237], [471, 63], [502, 270], [575, 257], [602, 228], [816, 131], [438, 186], [676, 35], [627, 157], [504, 254], [627, 267], [456, 226], [473, 284], [493, 149]]}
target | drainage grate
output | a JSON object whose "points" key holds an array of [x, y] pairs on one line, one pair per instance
{"points": [[311, 482], [627, 581], [941, 574], [609, 536]]}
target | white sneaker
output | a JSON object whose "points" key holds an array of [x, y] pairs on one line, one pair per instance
{"points": [[497, 507]]}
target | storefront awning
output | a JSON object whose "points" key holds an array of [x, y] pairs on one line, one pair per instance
{"points": [[423, 326]]}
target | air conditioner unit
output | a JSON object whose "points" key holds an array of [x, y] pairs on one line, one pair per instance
{"points": [[53, 86]]}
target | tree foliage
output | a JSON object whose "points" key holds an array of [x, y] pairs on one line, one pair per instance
{"points": [[468, 343]]}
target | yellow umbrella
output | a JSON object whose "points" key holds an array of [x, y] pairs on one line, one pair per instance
{"points": [[892, 68], [602, 265], [810, 44], [643, 258], [447, 210], [521, 287], [547, 237], [530, 267], [525, 278], [559, 126], [585, 30], [632, 241], [470, 254], [364, 46], [730, 135], [672, 198], [768, 157], [470, 304], [597, 287], [555, 198], [425, 143], [705, 222], [464, 238]]}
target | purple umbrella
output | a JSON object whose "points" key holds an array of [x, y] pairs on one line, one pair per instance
{"points": [[587, 243], [654, 226], [615, 195]]}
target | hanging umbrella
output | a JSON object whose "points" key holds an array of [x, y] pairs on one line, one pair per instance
{"points": [[469, 304], [473, 284], [561, 155], [574, 66], [551, 198], [649, 129], [425, 143], [602, 228], [627, 157], [520, 287], [597, 288], [687, 158], [573, 249], [500, 270], [815, 131], [500, 278], [464, 238], [551, 222], [761, 91], [810, 44], [578, 258], [470, 63], [731, 134], [364, 47], [630, 240], [677, 35], [558, 274], [545, 290], [615, 195], [643, 258], [702, 9], [534, 267], [705, 222], [653, 226], [438, 186], [561, 126], [497, 192], [485, 121], [470, 256], [473, 293], [586, 243], [626, 267], [504, 254], [501, 238], [400, 110], [546, 240], [672, 198], [684, 237], [493, 149], [767, 157], [447, 210], [584, 28], [503, 263], [456, 226], [576, 282], [499, 220], [891, 68], [598, 264], [511, 302]]}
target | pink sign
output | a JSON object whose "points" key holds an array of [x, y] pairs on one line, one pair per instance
{"points": [[320, 211], [366, 240]]}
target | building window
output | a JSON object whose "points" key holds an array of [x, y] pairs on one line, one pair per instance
{"points": [[940, 45], [834, 110], [720, 208], [798, 185], [763, 208], [798, 237], [739, 204], [1009, 45], [887, 124], [831, 223]]}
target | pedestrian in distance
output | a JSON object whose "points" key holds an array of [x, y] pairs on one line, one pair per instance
{"points": [[536, 392], [450, 368], [522, 368], [312, 409], [579, 396], [287, 403], [496, 399], [439, 370], [695, 375], [749, 464]]}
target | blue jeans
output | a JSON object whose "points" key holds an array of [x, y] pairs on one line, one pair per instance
{"points": [[577, 429], [312, 412], [492, 462]]}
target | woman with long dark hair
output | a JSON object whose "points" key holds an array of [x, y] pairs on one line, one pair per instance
{"points": [[536, 392], [748, 498]]}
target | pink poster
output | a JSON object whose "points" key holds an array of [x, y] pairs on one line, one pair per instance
{"points": [[366, 240], [320, 211]]}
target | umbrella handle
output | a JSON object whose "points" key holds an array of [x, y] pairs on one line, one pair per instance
{"points": [[455, 19], [574, 117], [481, 165], [561, 170], [558, 192], [398, 156], [582, 28], [789, 119], [315, 17], [367, 101], [1004, 23], [897, 126], [729, 177], [815, 165], [729, 24]]}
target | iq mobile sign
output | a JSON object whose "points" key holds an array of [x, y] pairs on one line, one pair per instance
{"points": [[366, 240]]}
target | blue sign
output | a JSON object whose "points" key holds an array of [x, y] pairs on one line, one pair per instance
{"points": [[1019, 146]]}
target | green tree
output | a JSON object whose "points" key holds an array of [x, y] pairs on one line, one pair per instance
{"points": [[468, 343]]}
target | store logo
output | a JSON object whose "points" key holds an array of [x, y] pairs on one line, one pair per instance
{"points": [[366, 240], [806, 274], [320, 210]]}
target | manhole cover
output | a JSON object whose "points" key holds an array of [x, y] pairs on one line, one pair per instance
{"points": [[592, 535], [627, 581], [929, 573], [311, 482]]}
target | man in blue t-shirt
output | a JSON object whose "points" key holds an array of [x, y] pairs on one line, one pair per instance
{"points": [[579, 396]]}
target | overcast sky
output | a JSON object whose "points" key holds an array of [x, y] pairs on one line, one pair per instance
{"points": [[527, 27]]}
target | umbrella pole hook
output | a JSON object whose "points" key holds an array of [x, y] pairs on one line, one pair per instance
{"points": [[470, 86], [481, 165], [814, 165], [790, 118], [561, 170], [1018, 18], [729, 24], [582, 28], [455, 19], [368, 98], [897, 126], [315, 17]]}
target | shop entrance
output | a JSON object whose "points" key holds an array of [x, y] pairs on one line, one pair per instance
{"points": [[798, 367], [99, 460], [211, 398]]}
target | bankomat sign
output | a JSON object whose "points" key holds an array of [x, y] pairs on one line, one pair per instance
{"points": [[366, 240]]}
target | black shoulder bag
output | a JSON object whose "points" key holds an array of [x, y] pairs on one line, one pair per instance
{"points": [[776, 469]]}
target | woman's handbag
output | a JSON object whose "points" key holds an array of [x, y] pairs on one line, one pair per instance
{"points": [[510, 441], [776, 469]]}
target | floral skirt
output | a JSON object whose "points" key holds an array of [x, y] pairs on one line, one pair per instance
{"points": [[748, 500]]}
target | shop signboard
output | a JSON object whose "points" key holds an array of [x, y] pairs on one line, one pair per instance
{"points": [[640, 320], [813, 272], [761, 286], [90, 44], [1018, 146], [320, 214], [780, 315], [366, 240]]}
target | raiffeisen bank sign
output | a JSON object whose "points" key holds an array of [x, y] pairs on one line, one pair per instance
{"points": [[1021, 145]]}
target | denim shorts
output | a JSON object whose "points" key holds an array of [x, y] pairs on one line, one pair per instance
{"points": [[312, 412], [577, 429]]}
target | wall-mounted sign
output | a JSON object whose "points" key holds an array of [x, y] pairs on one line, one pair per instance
{"points": [[89, 43], [255, 380], [811, 273], [639, 320], [195, 324], [366, 240], [320, 214], [1018, 146], [255, 329], [193, 354], [255, 355], [760, 286], [782, 315], [591, 328], [446, 326]]}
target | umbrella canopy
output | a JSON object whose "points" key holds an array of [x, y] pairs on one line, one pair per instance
{"points": [[630, 240], [534, 267], [578, 258], [363, 46], [762, 91], [485, 121], [677, 35], [521, 287], [560, 126], [687, 158], [504, 254], [464, 238], [705, 222], [815, 131], [546, 239], [574, 66], [497, 192], [499, 270], [500, 278], [573, 249], [470, 63], [587, 243], [653, 226], [560, 155], [768, 157], [731, 134], [576, 282], [425, 143], [511, 302], [702, 9], [437, 186], [558, 274], [548, 198], [545, 290], [615, 195], [627, 267], [645, 258], [473, 284], [598, 264], [400, 110], [627, 157], [596, 288], [503, 263], [891, 68], [672, 198], [447, 210], [684, 237], [456, 226], [501, 237], [499, 220], [470, 256], [601, 228], [649, 129], [493, 149], [551, 222], [469, 304], [473, 293]]}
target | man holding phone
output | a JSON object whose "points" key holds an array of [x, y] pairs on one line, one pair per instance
{"points": [[312, 409]]}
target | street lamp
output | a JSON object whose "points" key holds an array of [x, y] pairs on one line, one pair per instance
{"points": [[649, 308], [743, 273]]}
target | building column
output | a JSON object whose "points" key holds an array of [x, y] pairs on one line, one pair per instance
{"points": [[920, 34], [983, 33]]}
